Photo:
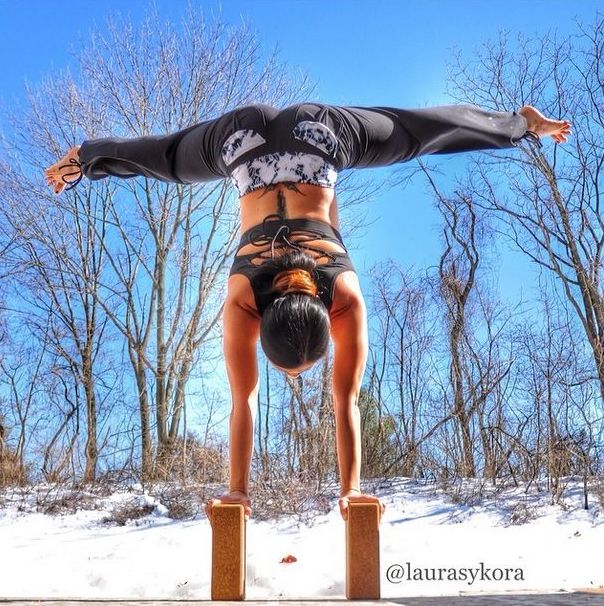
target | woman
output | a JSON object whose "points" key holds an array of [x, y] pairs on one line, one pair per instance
{"points": [[292, 284]]}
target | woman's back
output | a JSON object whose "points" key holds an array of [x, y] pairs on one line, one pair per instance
{"points": [[292, 200]]}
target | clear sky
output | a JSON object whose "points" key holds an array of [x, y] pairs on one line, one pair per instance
{"points": [[384, 52]]}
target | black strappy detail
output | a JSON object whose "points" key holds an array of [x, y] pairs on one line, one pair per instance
{"points": [[279, 233], [72, 162], [260, 237], [533, 138]]}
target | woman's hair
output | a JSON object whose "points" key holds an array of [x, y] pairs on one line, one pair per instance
{"points": [[294, 329]]}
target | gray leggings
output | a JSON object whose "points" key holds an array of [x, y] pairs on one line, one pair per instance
{"points": [[346, 137]]}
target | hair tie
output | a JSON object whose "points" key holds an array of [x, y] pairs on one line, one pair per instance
{"points": [[295, 280]]}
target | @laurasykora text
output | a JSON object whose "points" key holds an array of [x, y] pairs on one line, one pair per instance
{"points": [[400, 573]]}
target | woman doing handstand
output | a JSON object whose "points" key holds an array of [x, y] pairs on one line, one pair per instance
{"points": [[292, 284]]}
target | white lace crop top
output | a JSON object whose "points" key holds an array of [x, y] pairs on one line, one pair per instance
{"points": [[281, 166]]}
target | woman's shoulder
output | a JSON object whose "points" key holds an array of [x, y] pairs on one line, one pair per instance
{"points": [[346, 293], [241, 294]]}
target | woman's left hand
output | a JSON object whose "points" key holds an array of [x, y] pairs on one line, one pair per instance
{"points": [[354, 496]]}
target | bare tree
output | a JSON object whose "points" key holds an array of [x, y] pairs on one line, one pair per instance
{"points": [[61, 258], [477, 366], [152, 256], [551, 206], [562, 397], [401, 366]]}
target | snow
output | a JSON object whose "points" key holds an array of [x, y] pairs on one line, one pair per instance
{"points": [[79, 555]]}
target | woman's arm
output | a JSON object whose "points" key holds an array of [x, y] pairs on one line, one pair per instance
{"points": [[349, 334], [241, 328], [241, 331]]}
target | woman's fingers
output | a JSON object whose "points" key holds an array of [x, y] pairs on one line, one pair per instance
{"points": [[344, 502], [56, 183], [208, 507], [247, 510]]}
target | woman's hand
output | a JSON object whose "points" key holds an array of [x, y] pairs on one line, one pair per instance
{"points": [[542, 126], [234, 496], [64, 171], [355, 496]]}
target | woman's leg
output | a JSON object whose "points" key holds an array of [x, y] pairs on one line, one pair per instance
{"points": [[362, 137], [380, 136], [194, 154]]}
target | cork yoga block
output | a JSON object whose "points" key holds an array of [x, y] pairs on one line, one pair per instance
{"points": [[228, 552], [363, 552]]}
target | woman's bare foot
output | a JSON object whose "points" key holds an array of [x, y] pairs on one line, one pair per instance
{"points": [[64, 171], [542, 126]]}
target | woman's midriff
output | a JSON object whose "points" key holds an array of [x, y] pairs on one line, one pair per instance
{"points": [[294, 201]]}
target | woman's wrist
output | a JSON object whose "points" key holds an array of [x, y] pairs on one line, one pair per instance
{"points": [[345, 492], [238, 490]]}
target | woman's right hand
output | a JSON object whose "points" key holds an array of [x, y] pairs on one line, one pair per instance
{"points": [[65, 167], [235, 496]]}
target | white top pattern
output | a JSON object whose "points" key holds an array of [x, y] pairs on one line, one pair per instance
{"points": [[280, 167]]}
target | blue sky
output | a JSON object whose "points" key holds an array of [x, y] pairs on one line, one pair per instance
{"points": [[359, 52]]}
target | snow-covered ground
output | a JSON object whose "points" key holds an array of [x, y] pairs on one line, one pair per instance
{"points": [[423, 530]]}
